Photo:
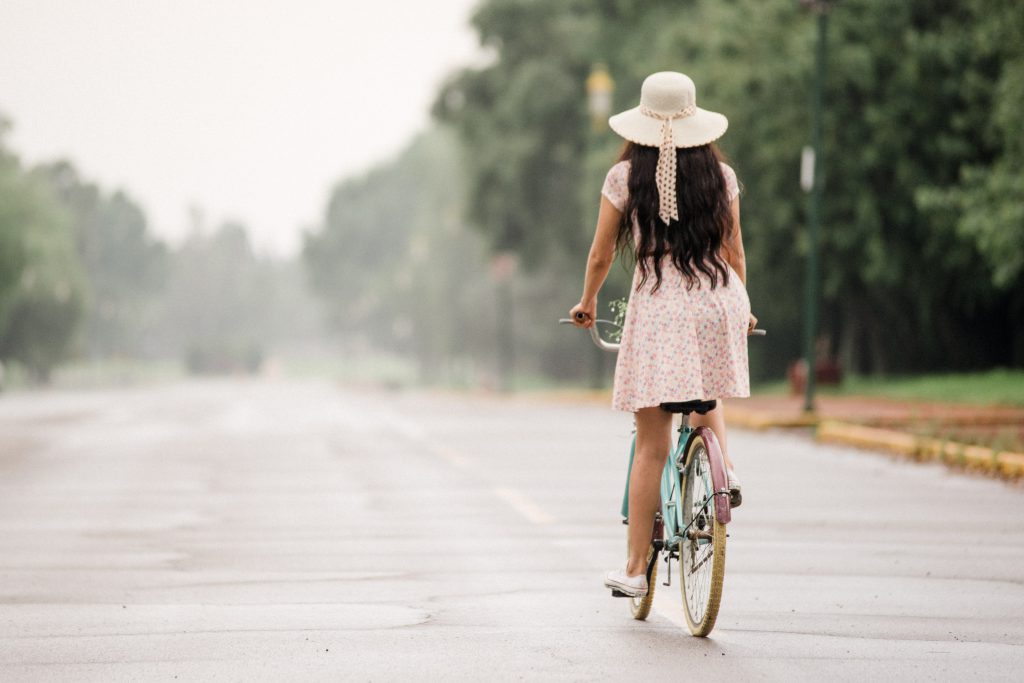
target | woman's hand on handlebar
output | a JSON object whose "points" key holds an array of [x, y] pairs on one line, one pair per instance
{"points": [[753, 324], [583, 314]]}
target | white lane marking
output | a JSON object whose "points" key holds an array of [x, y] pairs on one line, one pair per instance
{"points": [[408, 429], [452, 456], [418, 435], [524, 506], [520, 502]]}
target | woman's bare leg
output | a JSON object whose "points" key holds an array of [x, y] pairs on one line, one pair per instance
{"points": [[716, 420], [653, 439]]}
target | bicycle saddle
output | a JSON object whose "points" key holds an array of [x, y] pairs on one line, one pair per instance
{"points": [[687, 407]]}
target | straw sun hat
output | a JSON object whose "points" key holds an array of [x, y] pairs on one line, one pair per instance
{"points": [[668, 117]]}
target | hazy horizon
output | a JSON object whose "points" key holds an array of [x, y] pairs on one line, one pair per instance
{"points": [[248, 111]]}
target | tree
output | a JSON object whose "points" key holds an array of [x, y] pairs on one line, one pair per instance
{"points": [[983, 202], [213, 311], [126, 266], [42, 288], [396, 268], [18, 208], [523, 124], [923, 239]]}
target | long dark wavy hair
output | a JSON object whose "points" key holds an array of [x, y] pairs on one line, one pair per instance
{"points": [[694, 242]]}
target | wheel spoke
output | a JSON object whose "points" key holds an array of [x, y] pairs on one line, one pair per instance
{"points": [[700, 563]]}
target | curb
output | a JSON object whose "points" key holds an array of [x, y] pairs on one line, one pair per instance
{"points": [[1006, 464], [760, 420]]}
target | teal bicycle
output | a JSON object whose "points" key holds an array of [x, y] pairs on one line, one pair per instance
{"points": [[690, 527]]}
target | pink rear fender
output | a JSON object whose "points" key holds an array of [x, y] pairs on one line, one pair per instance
{"points": [[719, 478]]}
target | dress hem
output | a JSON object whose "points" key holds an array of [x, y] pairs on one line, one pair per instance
{"points": [[628, 409]]}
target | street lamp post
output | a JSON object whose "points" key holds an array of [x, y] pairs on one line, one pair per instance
{"points": [[811, 179], [503, 268], [600, 90], [600, 98]]}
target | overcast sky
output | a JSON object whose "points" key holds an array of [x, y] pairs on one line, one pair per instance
{"points": [[248, 109]]}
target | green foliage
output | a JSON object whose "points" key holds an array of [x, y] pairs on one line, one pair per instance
{"points": [[523, 122], [45, 313], [395, 268], [214, 312], [998, 386], [1002, 386], [18, 210], [985, 203], [923, 244], [618, 309], [81, 274], [42, 287], [125, 265], [400, 272]]}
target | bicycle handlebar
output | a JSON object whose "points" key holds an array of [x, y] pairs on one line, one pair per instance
{"points": [[595, 335], [612, 348]]}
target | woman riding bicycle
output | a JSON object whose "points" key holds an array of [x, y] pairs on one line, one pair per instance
{"points": [[674, 204]]}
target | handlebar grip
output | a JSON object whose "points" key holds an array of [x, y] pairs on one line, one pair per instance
{"points": [[758, 332]]}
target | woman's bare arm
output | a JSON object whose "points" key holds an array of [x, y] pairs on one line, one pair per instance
{"points": [[734, 254], [602, 255]]}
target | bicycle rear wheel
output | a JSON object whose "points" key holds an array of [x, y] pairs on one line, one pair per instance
{"points": [[702, 548], [640, 608]]}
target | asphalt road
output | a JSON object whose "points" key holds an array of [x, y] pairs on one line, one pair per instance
{"points": [[291, 530]]}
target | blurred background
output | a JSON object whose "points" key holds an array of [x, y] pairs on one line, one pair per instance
{"points": [[405, 195]]}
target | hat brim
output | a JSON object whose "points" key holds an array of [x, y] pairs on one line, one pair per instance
{"points": [[699, 129]]}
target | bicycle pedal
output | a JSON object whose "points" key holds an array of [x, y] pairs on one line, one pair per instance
{"points": [[618, 594]]}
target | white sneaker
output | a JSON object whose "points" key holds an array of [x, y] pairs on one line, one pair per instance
{"points": [[633, 586]]}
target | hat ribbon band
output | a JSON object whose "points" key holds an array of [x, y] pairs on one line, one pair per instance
{"points": [[683, 113], [666, 173]]}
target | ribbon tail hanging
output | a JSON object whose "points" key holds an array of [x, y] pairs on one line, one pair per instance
{"points": [[666, 175]]}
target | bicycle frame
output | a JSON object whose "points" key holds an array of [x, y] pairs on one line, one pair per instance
{"points": [[688, 490], [671, 477]]}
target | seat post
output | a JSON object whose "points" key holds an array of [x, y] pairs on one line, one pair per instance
{"points": [[684, 408]]}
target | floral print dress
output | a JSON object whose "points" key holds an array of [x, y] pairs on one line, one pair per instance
{"points": [[679, 344]]}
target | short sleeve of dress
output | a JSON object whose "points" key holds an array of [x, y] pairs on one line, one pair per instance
{"points": [[616, 187], [732, 186]]}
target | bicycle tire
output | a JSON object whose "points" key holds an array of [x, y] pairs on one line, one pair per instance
{"points": [[640, 608], [701, 564]]}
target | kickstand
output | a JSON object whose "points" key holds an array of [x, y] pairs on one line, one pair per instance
{"points": [[668, 570]]}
